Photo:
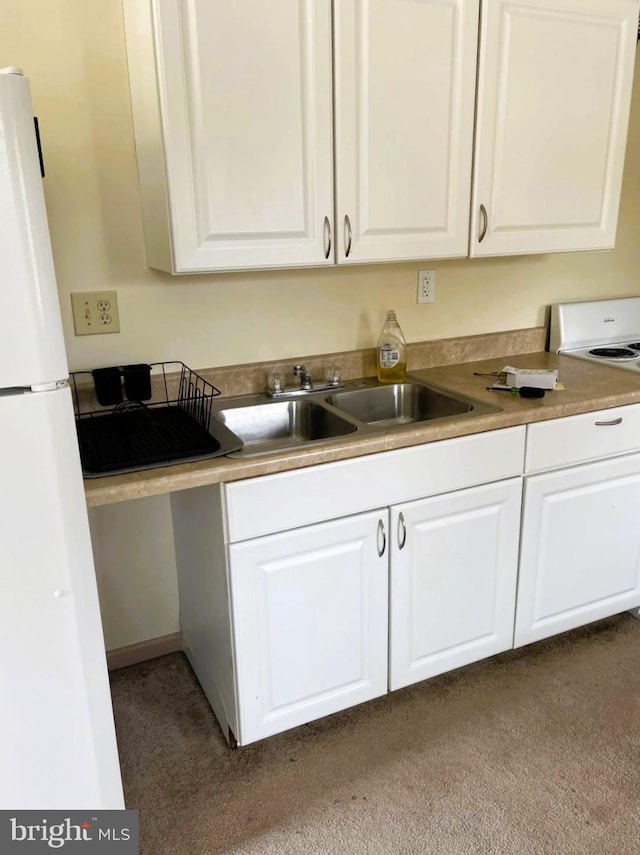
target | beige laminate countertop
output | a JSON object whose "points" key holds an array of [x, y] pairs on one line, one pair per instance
{"points": [[588, 387]]}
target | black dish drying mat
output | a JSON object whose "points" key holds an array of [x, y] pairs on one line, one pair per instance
{"points": [[138, 437]]}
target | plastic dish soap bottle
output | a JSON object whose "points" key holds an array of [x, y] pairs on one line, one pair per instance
{"points": [[392, 351]]}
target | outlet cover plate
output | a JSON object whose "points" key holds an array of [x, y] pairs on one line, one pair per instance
{"points": [[95, 312], [426, 286]]}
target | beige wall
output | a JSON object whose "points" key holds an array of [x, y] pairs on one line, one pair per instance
{"points": [[74, 54], [136, 570]]}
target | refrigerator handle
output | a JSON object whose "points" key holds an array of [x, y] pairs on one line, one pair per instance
{"points": [[35, 123]]}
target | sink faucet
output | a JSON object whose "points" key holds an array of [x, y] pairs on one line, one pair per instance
{"points": [[304, 375], [276, 388]]}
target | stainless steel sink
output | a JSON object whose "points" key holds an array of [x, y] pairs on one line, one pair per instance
{"points": [[399, 403], [276, 425], [363, 406]]}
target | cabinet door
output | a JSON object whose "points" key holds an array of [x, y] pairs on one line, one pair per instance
{"points": [[310, 622], [554, 93], [245, 113], [405, 75], [580, 552], [453, 580]]}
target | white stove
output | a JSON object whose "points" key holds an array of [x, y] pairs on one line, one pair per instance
{"points": [[605, 331]]}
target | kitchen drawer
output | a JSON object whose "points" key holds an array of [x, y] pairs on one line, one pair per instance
{"points": [[287, 500], [578, 439]]}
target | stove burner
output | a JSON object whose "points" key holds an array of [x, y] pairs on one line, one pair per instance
{"points": [[613, 353]]}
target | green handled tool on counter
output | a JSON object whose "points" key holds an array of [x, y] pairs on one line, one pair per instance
{"points": [[522, 391]]}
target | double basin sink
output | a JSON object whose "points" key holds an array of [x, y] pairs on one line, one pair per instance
{"points": [[362, 407]]}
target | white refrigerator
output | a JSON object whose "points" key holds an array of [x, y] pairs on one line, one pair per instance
{"points": [[57, 737]]}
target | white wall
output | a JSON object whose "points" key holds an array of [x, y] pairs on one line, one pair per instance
{"points": [[74, 54]]}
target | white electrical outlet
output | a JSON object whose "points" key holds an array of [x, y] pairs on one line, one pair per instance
{"points": [[95, 312], [426, 286]]}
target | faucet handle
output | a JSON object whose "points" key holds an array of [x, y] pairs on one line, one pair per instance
{"points": [[333, 375], [275, 382]]}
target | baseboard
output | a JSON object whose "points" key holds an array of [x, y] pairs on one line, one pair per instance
{"points": [[122, 657]]}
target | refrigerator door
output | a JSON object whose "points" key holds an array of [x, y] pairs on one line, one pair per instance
{"points": [[58, 749], [32, 348]]}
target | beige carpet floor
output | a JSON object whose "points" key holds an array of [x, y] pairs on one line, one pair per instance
{"points": [[534, 751]]}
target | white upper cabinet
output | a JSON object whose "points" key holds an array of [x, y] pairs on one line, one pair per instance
{"points": [[232, 108], [306, 132], [234, 122], [405, 74], [554, 90]]}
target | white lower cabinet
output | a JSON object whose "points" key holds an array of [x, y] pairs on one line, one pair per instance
{"points": [[284, 578], [306, 592], [453, 580], [580, 550], [309, 611], [309, 606]]}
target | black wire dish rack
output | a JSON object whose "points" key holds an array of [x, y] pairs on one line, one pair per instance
{"points": [[141, 416]]}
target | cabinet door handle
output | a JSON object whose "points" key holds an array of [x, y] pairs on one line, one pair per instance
{"points": [[381, 531], [617, 421], [402, 531], [347, 235], [327, 237], [485, 223]]}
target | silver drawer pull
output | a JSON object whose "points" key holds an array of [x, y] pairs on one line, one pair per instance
{"points": [[617, 421], [347, 235], [402, 531], [327, 237], [381, 534], [485, 223]]}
